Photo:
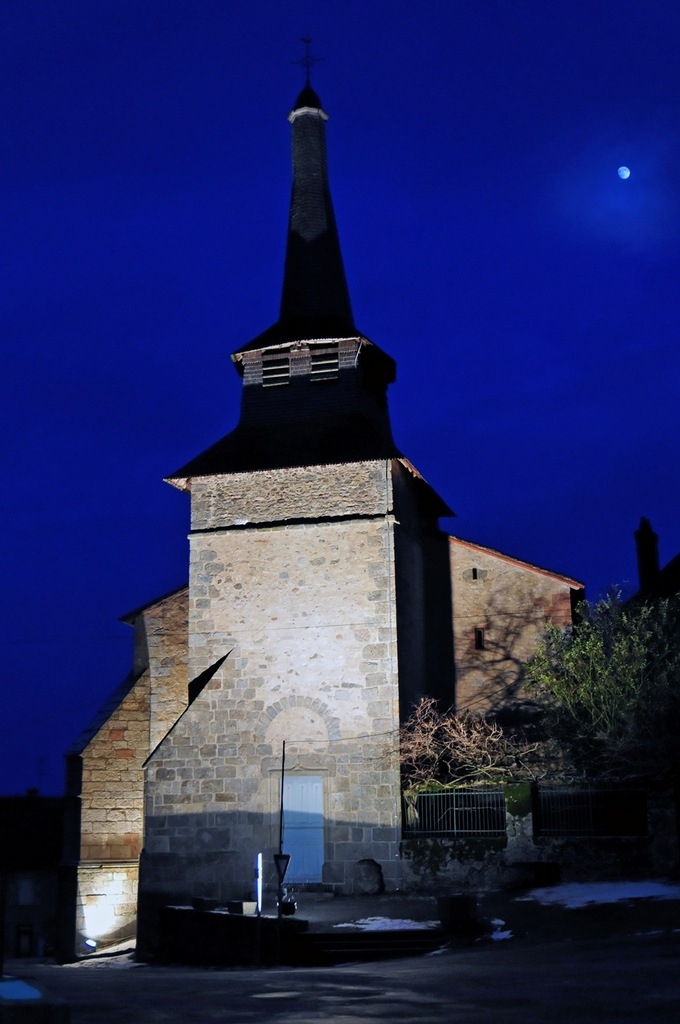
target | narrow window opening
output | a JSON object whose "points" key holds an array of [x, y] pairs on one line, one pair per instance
{"points": [[275, 370], [479, 639], [475, 574], [325, 364]]}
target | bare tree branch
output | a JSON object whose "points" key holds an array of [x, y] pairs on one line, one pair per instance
{"points": [[445, 748]]}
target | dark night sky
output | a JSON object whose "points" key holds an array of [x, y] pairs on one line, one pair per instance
{"points": [[528, 294]]}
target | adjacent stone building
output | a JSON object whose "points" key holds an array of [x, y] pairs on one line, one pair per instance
{"points": [[500, 607], [323, 600]]}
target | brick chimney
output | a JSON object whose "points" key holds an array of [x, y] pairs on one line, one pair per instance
{"points": [[647, 545]]}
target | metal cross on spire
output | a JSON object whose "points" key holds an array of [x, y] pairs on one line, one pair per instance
{"points": [[308, 60]]}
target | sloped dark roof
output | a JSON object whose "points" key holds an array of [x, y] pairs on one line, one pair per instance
{"points": [[103, 714], [335, 439], [129, 617], [569, 580], [301, 328], [668, 582]]}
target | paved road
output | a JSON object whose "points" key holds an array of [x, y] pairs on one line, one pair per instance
{"points": [[585, 982]]}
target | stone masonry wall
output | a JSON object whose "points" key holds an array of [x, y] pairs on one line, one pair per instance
{"points": [[162, 628], [112, 788], [107, 901], [306, 612], [362, 488], [411, 583], [112, 791], [424, 619], [112, 819], [111, 810], [511, 602]]}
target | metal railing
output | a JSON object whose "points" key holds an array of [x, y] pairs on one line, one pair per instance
{"points": [[455, 812], [593, 811]]}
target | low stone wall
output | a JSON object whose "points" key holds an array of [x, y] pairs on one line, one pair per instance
{"points": [[433, 863]]}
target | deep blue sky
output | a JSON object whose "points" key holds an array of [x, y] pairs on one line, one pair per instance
{"points": [[529, 295]]}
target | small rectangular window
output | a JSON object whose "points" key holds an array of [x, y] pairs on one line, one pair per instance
{"points": [[475, 574], [25, 891], [479, 639]]}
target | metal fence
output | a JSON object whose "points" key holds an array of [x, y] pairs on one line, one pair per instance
{"points": [[456, 812], [570, 811], [589, 811]]}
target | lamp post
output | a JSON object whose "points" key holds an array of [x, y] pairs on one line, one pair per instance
{"points": [[281, 859]]}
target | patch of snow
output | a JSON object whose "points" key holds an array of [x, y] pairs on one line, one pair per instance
{"points": [[655, 932], [582, 894], [127, 946], [276, 995], [117, 961], [499, 933], [14, 988], [387, 924]]}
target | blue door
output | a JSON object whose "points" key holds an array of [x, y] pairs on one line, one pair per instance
{"points": [[303, 827]]}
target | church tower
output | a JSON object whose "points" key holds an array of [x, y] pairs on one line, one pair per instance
{"points": [[319, 598], [323, 600]]}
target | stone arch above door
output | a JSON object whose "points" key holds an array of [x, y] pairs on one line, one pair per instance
{"points": [[305, 719]]}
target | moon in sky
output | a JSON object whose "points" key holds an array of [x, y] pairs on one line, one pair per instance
{"points": [[623, 172]]}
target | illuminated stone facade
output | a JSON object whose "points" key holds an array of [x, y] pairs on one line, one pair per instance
{"points": [[307, 613]]}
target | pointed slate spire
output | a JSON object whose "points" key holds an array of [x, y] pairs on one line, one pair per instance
{"points": [[314, 283], [315, 299]]}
